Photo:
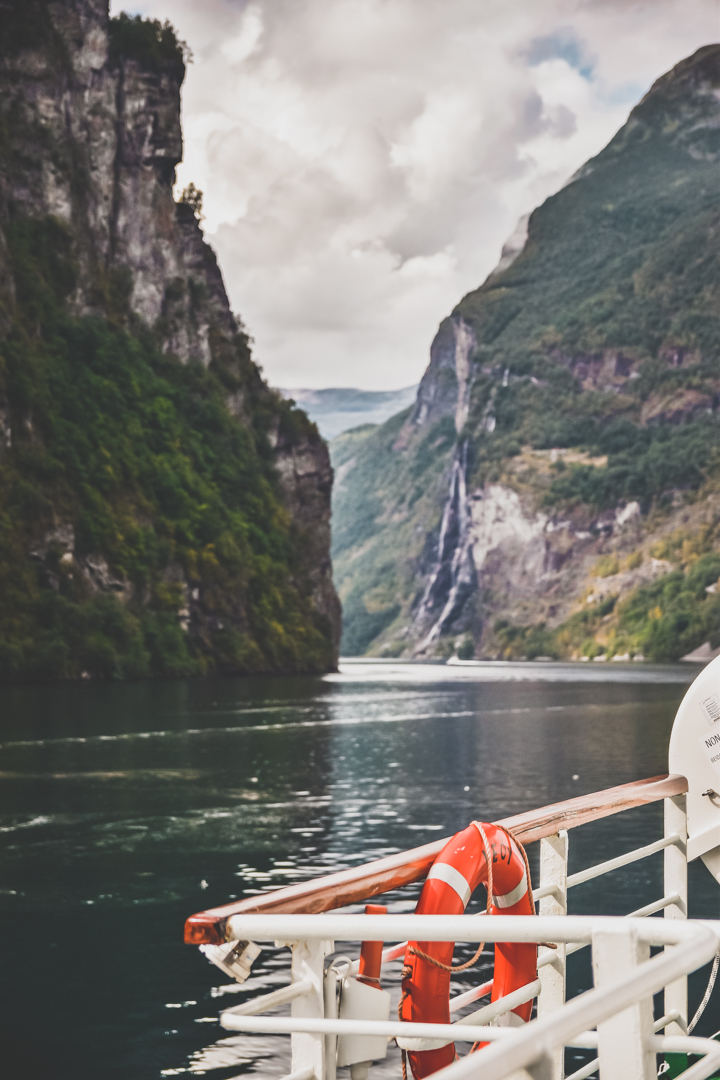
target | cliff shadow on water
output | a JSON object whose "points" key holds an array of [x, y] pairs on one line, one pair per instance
{"points": [[162, 511]]}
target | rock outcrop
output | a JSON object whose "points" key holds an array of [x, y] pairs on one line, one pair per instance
{"points": [[445, 387], [97, 131]]}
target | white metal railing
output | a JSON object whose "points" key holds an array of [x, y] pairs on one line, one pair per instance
{"points": [[620, 1006], [617, 1013]]}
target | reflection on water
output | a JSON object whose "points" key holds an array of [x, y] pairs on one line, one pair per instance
{"points": [[125, 808]]}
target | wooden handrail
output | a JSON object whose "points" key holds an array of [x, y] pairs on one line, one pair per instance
{"points": [[371, 879]]}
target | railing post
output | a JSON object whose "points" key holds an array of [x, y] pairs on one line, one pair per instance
{"points": [[675, 881], [330, 993], [623, 1038], [553, 871], [308, 962]]}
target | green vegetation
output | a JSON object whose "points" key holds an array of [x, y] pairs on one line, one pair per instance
{"points": [[194, 199], [652, 461], [143, 527], [152, 44], [363, 626], [621, 276], [386, 499], [602, 339], [524, 642], [623, 258], [661, 620], [141, 456], [675, 614]]}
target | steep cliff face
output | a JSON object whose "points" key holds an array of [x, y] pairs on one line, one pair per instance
{"points": [[582, 381], [302, 463], [445, 387], [92, 119], [166, 486]]}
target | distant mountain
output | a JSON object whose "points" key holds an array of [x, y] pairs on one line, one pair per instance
{"points": [[555, 488], [339, 409]]}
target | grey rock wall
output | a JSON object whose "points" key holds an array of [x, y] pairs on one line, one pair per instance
{"points": [[102, 141], [100, 138]]}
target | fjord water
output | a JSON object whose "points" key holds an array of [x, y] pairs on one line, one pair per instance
{"points": [[125, 808]]}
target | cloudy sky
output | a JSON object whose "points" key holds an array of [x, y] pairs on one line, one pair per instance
{"points": [[363, 161]]}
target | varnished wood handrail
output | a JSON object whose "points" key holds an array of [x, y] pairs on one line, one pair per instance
{"points": [[371, 879]]}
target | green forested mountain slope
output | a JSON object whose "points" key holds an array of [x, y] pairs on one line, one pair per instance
{"points": [[582, 383], [386, 501], [154, 515]]}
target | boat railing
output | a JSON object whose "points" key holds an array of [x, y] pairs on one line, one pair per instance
{"points": [[615, 1018]]}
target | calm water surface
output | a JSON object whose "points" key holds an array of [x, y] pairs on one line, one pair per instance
{"points": [[125, 808]]}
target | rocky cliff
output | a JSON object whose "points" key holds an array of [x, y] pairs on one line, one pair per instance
{"points": [[162, 511], [554, 489]]}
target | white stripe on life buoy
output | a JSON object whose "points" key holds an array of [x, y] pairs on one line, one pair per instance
{"points": [[510, 1019], [415, 1045], [511, 898], [452, 877]]}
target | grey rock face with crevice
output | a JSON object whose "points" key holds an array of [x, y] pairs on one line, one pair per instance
{"points": [[119, 125]]}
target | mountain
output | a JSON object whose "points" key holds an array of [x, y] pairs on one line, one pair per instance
{"points": [[554, 490], [338, 409], [162, 511]]}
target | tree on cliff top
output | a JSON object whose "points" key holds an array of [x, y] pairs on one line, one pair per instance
{"points": [[153, 44]]}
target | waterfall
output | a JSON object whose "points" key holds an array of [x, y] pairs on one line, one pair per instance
{"points": [[452, 579]]}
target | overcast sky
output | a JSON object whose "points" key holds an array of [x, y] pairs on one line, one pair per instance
{"points": [[363, 161]]}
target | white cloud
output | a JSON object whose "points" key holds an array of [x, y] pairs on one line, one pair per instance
{"points": [[245, 43], [363, 161]]}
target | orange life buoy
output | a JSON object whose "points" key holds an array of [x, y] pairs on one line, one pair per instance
{"points": [[459, 868]]}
